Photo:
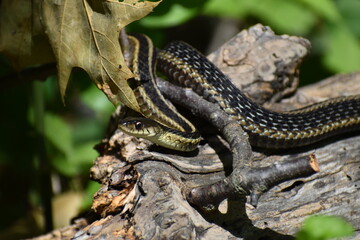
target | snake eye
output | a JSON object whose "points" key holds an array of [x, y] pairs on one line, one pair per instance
{"points": [[138, 125]]}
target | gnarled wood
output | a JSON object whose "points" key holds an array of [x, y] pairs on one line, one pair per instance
{"points": [[144, 185]]}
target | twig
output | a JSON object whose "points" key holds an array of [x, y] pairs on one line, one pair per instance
{"points": [[231, 129], [244, 180]]}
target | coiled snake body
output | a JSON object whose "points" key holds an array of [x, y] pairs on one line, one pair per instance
{"points": [[186, 67]]}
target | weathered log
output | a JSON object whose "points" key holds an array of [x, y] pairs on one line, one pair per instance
{"points": [[144, 187]]}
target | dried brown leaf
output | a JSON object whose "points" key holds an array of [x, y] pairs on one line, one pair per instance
{"points": [[22, 38], [82, 37]]}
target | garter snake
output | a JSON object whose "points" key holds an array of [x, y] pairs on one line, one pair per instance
{"points": [[162, 124], [185, 66]]}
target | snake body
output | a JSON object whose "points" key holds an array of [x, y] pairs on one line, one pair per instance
{"points": [[186, 67], [162, 124]]}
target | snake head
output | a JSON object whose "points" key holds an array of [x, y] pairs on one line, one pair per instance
{"points": [[157, 133], [140, 127]]}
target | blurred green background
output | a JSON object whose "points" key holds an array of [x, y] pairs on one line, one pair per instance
{"points": [[63, 157]]}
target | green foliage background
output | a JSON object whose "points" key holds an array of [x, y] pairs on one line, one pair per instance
{"points": [[321, 227], [71, 131]]}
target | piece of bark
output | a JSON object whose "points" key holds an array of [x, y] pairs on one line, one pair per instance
{"points": [[155, 179], [262, 64], [244, 179]]}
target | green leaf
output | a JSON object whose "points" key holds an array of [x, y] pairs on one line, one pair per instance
{"points": [[287, 16], [177, 15], [87, 129], [85, 154], [172, 13], [64, 166], [324, 227], [59, 133], [228, 8], [350, 10], [78, 162], [56, 131], [90, 190], [97, 101], [325, 8], [343, 49]]}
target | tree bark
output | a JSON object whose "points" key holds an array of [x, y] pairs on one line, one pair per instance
{"points": [[144, 187]]}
